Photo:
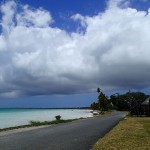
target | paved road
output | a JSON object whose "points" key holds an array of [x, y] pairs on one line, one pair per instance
{"points": [[77, 135]]}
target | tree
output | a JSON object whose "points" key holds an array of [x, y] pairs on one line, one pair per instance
{"points": [[95, 106], [130, 101], [98, 90], [102, 101]]}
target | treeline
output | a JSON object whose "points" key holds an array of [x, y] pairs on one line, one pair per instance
{"points": [[130, 101]]}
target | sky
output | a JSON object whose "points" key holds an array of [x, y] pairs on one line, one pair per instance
{"points": [[56, 53]]}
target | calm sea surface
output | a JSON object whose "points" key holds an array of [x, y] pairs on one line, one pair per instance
{"points": [[15, 117]]}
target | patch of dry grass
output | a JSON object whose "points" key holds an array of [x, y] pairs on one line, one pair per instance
{"points": [[130, 134]]}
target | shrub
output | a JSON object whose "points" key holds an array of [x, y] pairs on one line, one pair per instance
{"points": [[58, 117]]}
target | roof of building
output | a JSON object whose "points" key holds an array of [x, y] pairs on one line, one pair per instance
{"points": [[147, 101]]}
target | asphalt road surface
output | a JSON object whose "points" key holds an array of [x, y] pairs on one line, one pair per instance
{"points": [[76, 135]]}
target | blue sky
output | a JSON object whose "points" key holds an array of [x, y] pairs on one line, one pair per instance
{"points": [[64, 9], [56, 53]]}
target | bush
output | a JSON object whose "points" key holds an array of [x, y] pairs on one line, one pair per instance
{"points": [[58, 117]]}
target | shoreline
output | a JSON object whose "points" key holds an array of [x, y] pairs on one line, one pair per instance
{"points": [[23, 128], [35, 125], [28, 127], [50, 108], [11, 118]]}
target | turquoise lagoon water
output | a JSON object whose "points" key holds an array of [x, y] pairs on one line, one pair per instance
{"points": [[15, 117]]}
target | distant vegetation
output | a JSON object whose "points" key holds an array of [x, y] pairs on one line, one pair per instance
{"points": [[130, 101]]}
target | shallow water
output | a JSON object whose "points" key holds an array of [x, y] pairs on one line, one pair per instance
{"points": [[15, 117]]}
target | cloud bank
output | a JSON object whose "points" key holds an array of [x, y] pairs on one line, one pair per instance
{"points": [[37, 59]]}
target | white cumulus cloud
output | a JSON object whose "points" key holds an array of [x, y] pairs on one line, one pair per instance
{"points": [[37, 59], [31, 17]]}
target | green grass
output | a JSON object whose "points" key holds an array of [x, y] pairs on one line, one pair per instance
{"points": [[39, 123], [133, 133]]}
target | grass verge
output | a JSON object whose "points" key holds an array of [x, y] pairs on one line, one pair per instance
{"points": [[39, 123], [130, 134]]}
